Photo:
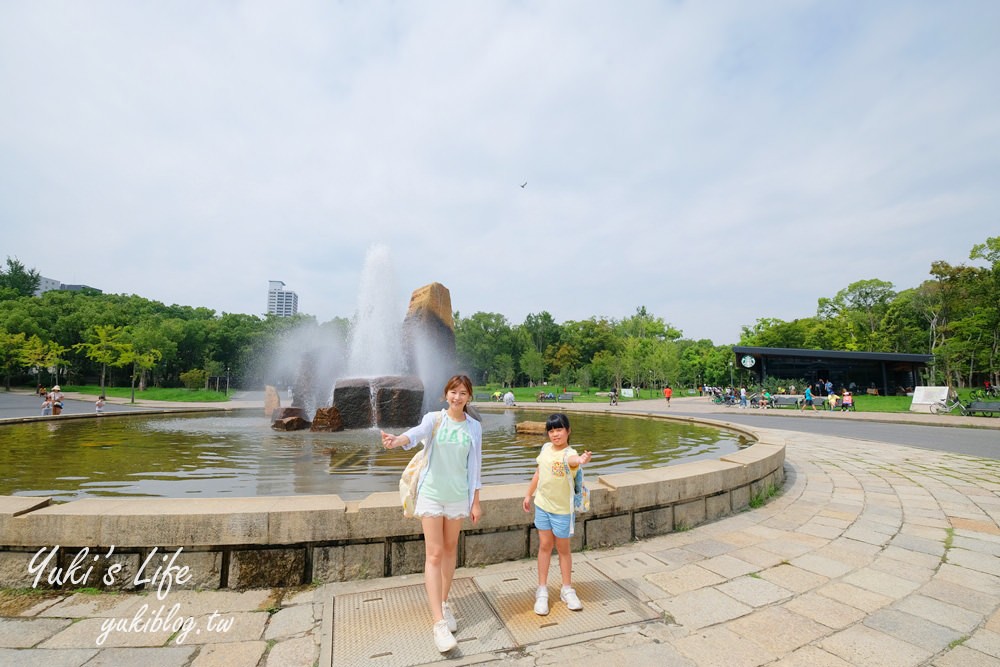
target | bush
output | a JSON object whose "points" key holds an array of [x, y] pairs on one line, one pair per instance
{"points": [[194, 378]]}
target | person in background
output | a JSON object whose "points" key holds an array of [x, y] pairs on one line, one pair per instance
{"points": [[667, 393], [57, 399], [447, 493], [99, 405]]}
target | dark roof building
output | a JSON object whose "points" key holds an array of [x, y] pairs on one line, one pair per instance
{"points": [[887, 373]]}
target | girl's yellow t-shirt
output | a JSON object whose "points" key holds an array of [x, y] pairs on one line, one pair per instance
{"points": [[553, 492]]}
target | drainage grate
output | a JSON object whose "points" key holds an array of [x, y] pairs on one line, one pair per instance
{"points": [[605, 604], [391, 627]]}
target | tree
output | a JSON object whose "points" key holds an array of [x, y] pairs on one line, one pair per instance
{"points": [[19, 280], [533, 365], [859, 309], [480, 338], [104, 345], [11, 351]]}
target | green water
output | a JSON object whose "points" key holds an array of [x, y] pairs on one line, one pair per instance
{"points": [[237, 455]]}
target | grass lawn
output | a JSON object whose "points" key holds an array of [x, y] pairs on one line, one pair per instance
{"points": [[152, 393]]}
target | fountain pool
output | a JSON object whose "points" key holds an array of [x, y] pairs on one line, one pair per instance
{"points": [[238, 455]]}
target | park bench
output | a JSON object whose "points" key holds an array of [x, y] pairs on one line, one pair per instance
{"points": [[781, 400], [543, 396], [481, 397], [564, 397], [986, 407]]}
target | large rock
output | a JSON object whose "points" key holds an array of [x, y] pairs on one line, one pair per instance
{"points": [[398, 401], [327, 420], [285, 413], [429, 340], [531, 428], [272, 401], [290, 424]]}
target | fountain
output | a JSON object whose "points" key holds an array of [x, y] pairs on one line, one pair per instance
{"points": [[390, 362]]}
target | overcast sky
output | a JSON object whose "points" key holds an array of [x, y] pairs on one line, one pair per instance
{"points": [[716, 162]]}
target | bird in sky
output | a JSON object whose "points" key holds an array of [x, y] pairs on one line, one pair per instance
{"points": [[523, 184]]}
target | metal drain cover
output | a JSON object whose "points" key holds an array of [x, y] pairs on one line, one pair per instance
{"points": [[391, 627], [605, 604]]}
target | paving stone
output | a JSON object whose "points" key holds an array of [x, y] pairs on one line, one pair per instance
{"points": [[704, 607], [977, 581], [793, 578], [721, 647], [811, 656], [825, 610], [757, 556], [778, 630], [986, 642], [854, 596], [242, 654], [728, 566], [963, 656], [820, 564], [290, 621], [27, 632], [38, 657], [89, 631], [104, 605], [172, 656], [754, 591], [226, 627], [881, 582], [860, 645], [709, 548], [913, 629], [960, 596], [683, 579], [980, 562], [298, 652], [940, 612]]}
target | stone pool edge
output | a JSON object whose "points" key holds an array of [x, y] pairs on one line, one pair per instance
{"points": [[297, 540]]}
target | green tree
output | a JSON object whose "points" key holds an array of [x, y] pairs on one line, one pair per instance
{"points": [[104, 345], [16, 280], [533, 365], [11, 352]]}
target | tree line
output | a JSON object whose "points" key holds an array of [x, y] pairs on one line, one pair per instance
{"points": [[86, 336]]}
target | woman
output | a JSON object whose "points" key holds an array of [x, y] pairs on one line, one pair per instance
{"points": [[447, 492]]}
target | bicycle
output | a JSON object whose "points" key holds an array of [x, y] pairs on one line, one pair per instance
{"points": [[948, 405], [984, 394]]}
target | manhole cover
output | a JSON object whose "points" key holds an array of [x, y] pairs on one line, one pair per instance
{"points": [[605, 604], [392, 627]]}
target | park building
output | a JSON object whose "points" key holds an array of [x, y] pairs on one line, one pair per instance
{"points": [[281, 302], [885, 373], [50, 284]]}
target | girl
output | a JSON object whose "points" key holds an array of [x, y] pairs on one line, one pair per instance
{"points": [[553, 512], [447, 492]]}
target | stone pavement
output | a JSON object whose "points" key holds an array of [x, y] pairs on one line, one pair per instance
{"points": [[871, 555]]}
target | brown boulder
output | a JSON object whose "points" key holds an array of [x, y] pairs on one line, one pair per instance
{"points": [[290, 424], [531, 428], [272, 401], [327, 420], [285, 413]]}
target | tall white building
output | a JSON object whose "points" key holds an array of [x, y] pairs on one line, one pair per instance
{"points": [[281, 302]]}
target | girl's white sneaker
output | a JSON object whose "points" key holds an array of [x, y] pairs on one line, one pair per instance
{"points": [[542, 601], [568, 595], [449, 617]]}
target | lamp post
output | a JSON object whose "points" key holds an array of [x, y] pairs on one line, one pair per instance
{"points": [[227, 381], [731, 376]]}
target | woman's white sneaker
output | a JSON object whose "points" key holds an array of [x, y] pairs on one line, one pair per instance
{"points": [[449, 617], [542, 601], [568, 595]]}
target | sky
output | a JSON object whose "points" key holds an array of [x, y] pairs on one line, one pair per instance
{"points": [[714, 162]]}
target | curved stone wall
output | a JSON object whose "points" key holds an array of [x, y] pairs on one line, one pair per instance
{"points": [[288, 541]]}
